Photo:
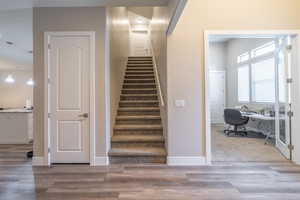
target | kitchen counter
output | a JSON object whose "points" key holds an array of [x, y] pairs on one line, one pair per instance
{"points": [[16, 126], [15, 111]]}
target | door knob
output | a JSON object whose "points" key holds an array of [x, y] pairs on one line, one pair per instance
{"points": [[84, 115]]}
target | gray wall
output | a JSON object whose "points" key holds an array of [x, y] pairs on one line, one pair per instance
{"points": [[70, 19], [119, 51], [217, 56], [185, 64]]}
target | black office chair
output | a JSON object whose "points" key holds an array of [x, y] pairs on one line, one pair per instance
{"points": [[234, 118]]}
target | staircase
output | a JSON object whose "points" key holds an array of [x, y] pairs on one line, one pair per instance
{"points": [[138, 132]]}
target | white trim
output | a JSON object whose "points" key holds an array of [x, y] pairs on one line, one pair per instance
{"points": [[161, 96], [248, 33], [38, 161], [186, 161], [47, 145], [175, 18], [101, 161]]}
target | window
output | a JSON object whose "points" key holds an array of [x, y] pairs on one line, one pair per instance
{"points": [[265, 49], [263, 81], [243, 58], [243, 84]]}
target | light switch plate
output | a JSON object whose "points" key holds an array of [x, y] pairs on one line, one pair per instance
{"points": [[180, 103]]}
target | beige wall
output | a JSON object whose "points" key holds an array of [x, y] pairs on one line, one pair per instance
{"points": [[14, 95], [119, 51], [70, 19], [186, 59]]}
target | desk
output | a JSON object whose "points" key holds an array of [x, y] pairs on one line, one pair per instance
{"points": [[261, 123]]}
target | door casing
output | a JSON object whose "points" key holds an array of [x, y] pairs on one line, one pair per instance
{"points": [[47, 141], [295, 87]]}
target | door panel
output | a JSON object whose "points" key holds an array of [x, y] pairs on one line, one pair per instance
{"points": [[69, 99], [217, 96], [283, 102]]}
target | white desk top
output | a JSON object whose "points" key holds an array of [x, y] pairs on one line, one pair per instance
{"points": [[258, 116]]}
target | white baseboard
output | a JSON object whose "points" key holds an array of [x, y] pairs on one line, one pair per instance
{"points": [[186, 161], [101, 161], [38, 161]]}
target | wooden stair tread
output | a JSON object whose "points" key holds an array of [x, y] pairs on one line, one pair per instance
{"points": [[138, 101], [138, 127], [139, 117], [137, 138], [139, 108], [137, 151]]}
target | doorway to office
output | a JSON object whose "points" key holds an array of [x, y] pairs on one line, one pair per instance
{"points": [[251, 82]]}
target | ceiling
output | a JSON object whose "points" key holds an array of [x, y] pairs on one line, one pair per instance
{"points": [[16, 39], [16, 25], [19, 4]]}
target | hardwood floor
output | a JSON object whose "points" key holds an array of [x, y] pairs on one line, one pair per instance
{"points": [[242, 149], [222, 181]]}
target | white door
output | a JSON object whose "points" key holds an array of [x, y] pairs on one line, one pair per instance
{"points": [[284, 97], [139, 44], [217, 96], [69, 98]]}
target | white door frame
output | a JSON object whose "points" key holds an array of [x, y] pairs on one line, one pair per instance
{"points": [[47, 141], [207, 33]]}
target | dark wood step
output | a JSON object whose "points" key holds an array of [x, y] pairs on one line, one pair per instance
{"points": [[139, 77], [130, 111], [139, 85], [139, 91], [137, 155], [138, 119], [142, 103], [152, 80], [130, 141], [127, 97], [139, 73]]}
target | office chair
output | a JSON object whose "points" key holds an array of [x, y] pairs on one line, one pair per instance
{"points": [[234, 118]]}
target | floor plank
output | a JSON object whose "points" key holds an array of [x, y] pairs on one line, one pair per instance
{"points": [[222, 181]]}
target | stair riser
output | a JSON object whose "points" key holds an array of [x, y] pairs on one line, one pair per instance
{"points": [[139, 98], [139, 91], [135, 104], [140, 73], [132, 113], [139, 86], [137, 144], [137, 160], [139, 61], [139, 77], [138, 132], [139, 58], [139, 69], [139, 81], [139, 66], [139, 122]]}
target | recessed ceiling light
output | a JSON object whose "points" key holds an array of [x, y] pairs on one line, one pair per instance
{"points": [[140, 21], [9, 79], [9, 43], [30, 82]]}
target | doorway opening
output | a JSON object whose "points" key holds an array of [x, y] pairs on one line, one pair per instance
{"points": [[250, 85], [16, 86]]}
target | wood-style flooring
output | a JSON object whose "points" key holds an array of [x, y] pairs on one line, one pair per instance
{"points": [[222, 181]]}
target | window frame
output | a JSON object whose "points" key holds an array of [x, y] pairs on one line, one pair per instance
{"points": [[252, 60]]}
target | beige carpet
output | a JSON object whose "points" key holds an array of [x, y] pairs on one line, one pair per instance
{"points": [[241, 148]]}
